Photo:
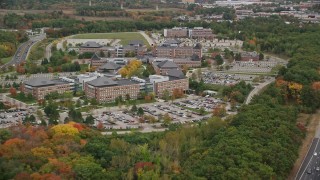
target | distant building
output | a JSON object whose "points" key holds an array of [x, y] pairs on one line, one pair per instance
{"points": [[177, 32], [110, 67], [177, 52], [104, 89], [82, 78], [201, 33], [90, 46], [250, 56], [40, 87], [97, 61], [171, 43], [162, 67], [174, 79], [183, 32], [192, 62]]}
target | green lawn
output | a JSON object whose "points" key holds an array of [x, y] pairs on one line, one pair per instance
{"points": [[37, 51], [25, 100], [125, 37], [5, 60]]}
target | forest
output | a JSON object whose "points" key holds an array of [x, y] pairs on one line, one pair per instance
{"points": [[260, 142], [9, 42]]}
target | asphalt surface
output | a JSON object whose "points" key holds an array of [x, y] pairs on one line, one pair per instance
{"points": [[311, 162], [23, 51], [257, 89]]}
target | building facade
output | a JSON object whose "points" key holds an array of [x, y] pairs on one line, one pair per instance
{"points": [[177, 32], [40, 87], [177, 52], [105, 89], [201, 33]]}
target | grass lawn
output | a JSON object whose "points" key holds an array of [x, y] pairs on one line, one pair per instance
{"points": [[125, 37], [5, 60], [25, 100], [37, 51]]}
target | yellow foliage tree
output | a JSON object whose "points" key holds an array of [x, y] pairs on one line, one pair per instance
{"points": [[66, 129], [42, 152], [131, 68]]}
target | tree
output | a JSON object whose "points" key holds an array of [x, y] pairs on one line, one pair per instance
{"points": [[78, 103], [140, 111], [166, 95], [238, 57], [13, 91], [167, 119], [261, 56], [202, 111], [134, 108], [128, 97], [51, 111], [89, 120], [219, 59]]}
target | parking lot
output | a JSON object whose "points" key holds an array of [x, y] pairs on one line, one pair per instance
{"points": [[254, 67], [181, 111], [12, 117], [224, 78], [117, 120]]}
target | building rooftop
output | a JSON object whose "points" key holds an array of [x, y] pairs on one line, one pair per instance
{"points": [[39, 82], [95, 57], [105, 81], [135, 43], [102, 81], [91, 44], [110, 66], [175, 73], [167, 64]]}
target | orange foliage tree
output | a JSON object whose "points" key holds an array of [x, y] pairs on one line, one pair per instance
{"points": [[13, 91]]}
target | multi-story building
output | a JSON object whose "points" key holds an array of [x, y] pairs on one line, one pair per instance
{"points": [[250, 56], [177, 32], [174, 79], [82, 78], [40, 87], [192, 62], [201, 33], [90, 46], [162, 67], [104, 89], [97, 61], [177, 52], [109, 67]]}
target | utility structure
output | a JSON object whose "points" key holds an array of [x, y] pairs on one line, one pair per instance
{"points": [[121, 4]]}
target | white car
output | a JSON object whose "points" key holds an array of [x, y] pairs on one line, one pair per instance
{"points": [[315, 153]]}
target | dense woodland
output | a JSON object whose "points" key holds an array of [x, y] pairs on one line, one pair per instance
{"points": [[9, 42], [260, 142]]}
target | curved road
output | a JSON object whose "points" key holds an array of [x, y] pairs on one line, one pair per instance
{"points": [[23, 51], [257, 90], [150, 41]]}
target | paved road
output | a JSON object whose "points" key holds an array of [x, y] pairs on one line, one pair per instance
{"points": [[311, 161], [257, 89], [48, 51], [150, 41], [23, 51]]}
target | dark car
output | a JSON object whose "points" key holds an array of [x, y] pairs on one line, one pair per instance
{"points": [[309, 171]]}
